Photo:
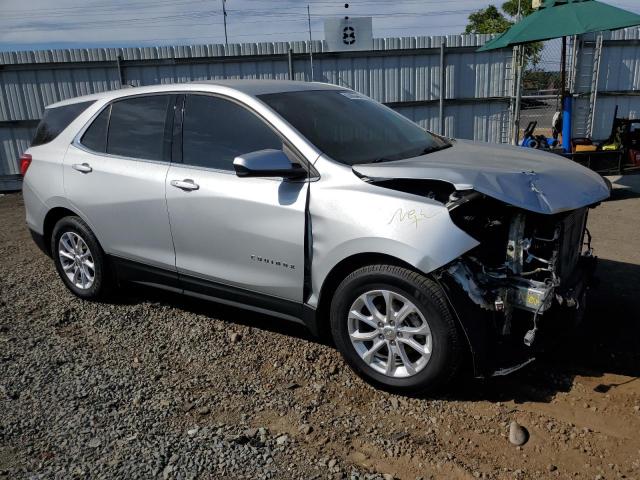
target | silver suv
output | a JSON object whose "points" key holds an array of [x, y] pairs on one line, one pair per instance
{"points": [[415, 253]]}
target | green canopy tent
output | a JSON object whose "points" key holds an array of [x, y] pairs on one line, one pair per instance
{"points": [[563, 18], [560, 19]]}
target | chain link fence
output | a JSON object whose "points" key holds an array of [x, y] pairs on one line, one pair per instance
{"points": [[541, 91]]}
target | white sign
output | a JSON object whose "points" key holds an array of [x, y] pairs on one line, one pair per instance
{"points": [[348, 34]]}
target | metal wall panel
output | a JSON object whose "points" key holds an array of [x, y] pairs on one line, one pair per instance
{"points": [[618, 80], [482, 121], [27, 85], [31, 80], [13, 141], [628, 107]]}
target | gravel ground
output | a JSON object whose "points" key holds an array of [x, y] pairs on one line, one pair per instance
{"points": [[153, 385]]}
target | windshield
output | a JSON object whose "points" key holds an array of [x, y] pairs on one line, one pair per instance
{"points": [[351, 128]]}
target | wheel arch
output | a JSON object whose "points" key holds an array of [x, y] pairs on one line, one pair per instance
{"points": [[51, 218], [338, 273], [321, 326]]}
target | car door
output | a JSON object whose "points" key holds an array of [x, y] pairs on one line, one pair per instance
{"points": [[115, 173], [231, 233]]}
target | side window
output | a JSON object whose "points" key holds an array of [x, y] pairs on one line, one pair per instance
{"points": [[215, 131], [137, 128], [95, 137], [55, 120]]}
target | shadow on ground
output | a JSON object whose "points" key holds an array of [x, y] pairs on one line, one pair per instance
{"points": [[625, 187], [607, 342]]}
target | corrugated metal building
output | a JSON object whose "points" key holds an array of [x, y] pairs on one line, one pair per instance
{"points": [[405, 73], [618, 81], [439, 82]]}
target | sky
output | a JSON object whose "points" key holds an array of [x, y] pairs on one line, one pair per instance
{"points": [[51, 24]]}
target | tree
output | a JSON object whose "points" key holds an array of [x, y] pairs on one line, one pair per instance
{"points": [[492, 20], [489, 20]]}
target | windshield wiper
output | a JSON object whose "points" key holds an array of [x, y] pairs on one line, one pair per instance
{"points": [[381, 160], [410, 155], [435, 149]]}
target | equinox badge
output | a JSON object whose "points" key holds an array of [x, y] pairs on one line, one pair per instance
{"points": [[277, 263]]}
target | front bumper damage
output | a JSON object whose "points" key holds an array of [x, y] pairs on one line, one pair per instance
{"points": [[512, 310]]}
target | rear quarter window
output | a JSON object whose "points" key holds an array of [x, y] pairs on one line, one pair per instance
{"points": [[95, 137], [55, 120]]}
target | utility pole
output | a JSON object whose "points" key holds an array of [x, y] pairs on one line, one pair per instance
{"points": [[224, 19], [310, 44]]}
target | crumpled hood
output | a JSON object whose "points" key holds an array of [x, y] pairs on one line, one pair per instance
{"points": [[526, 178]]}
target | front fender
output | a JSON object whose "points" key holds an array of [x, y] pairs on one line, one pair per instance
{"points": [[354, 217]]}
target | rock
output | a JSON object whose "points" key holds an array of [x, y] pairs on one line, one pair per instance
{"points": [[192, 432], [282, 439], [388, 476], [518, 435], [394, 402], [167, 472], [291, 386], [637, 408], [399, 436], [305, 429], [251, 432], [204, 410], [332, 463], [235, 337], [552, 468], [94, 443]]}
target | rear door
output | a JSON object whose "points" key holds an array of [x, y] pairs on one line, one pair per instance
{"points": [[245, 233], [115, 174]]}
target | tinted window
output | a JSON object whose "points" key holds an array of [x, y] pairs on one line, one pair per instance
{"points": [[95, 137], [351, 128], [55, 120], [137, 128], [216, 131]]}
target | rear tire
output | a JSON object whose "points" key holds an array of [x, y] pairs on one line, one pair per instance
{"points": [[413, 347], [79, 259]]}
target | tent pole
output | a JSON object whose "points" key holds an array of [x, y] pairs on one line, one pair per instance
{"points": [[518, 100], [563, 66], [566, 100]]}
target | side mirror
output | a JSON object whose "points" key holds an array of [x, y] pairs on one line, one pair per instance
{"points": [[267, 163]]}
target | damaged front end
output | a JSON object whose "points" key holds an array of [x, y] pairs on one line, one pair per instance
{"points": [[528, 276]]}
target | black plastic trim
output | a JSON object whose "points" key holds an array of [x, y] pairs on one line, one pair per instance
{"points": [[240, 297], [136, 272]]}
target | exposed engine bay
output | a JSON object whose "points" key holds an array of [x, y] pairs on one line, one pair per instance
{"points": [[525, 261]]}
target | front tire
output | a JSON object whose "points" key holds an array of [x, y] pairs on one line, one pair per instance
{"points": [[395, 329], [79, 259]]}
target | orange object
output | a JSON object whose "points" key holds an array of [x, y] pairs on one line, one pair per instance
{"points": [[586, 148]]}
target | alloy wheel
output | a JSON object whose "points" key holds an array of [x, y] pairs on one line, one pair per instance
{"points": [[76, 260], [389, 333]]}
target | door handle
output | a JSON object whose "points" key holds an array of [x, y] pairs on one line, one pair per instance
{"points": [[186, 184], [82, 167]]}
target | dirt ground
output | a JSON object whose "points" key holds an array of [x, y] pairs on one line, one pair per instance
{"points": [[581, 403]]}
